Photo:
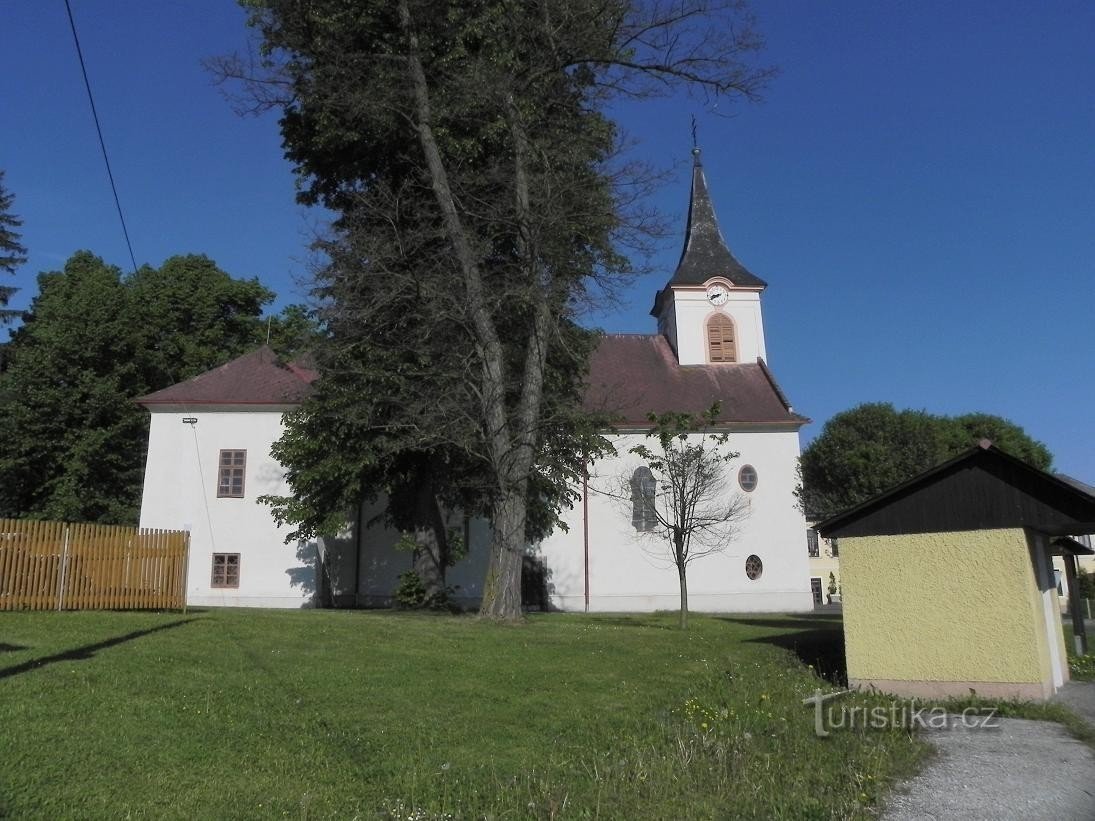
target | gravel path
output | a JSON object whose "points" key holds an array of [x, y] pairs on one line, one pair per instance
{"points": [[1022, 770]]}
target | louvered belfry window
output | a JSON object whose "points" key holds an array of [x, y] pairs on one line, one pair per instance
{"points": [[720, 339]]}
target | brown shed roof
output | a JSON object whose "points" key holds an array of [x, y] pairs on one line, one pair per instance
{"points": [[983, 488], [256, 378], [633, 375]]}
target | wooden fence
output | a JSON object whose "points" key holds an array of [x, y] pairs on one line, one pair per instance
{"points": [[61, 566]]}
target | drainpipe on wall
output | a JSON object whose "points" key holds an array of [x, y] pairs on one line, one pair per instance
{"points": [[357, 554], [585, 527]]}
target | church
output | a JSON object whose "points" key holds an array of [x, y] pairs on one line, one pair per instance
{"points": [[209, 462]]}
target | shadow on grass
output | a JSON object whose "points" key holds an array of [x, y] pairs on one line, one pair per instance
{"points": [[10, 648], [817, 640], [87, 651]]}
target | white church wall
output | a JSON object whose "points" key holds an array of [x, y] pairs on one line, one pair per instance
{"points": [[630, 572], [692, 310], [180, 492]]}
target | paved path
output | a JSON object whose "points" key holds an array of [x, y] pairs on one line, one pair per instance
{"points": [[1023, 770], [1079, 696]]}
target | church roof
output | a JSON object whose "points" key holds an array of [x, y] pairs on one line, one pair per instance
{"points": [[633, 375], [256, 378], [705, 253]]}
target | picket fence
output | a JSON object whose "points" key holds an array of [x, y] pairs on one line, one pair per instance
{"points": [[64, 566]]}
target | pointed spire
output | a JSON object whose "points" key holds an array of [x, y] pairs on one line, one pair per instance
{"points": [[705, 253]]}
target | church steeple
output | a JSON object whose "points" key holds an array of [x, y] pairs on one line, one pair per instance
{"points": [[705, 253], [709, 311]]}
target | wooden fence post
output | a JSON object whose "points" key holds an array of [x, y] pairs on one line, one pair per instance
{"points": [[64, 571], [186, 568]]}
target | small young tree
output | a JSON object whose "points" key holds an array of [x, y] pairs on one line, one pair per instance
{"points": [[683, 501]]}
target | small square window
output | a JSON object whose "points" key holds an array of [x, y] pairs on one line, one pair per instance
{"points": [[226, 570], [230, 474]]}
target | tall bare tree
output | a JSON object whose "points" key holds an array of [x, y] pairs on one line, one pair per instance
{"points": [[683, 503], [495, 110]]}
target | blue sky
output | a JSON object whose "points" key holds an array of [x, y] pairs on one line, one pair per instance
{"points": [[918, 189]]}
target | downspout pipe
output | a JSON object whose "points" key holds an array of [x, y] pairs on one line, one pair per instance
{"points": [[585, 528]]}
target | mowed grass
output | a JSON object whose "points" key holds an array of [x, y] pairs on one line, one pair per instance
{"points": [[343, 714]]}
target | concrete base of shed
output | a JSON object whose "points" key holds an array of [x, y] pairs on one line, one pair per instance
{"points": [[1024, 690]]}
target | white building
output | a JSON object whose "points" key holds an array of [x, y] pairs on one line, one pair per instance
{"points": [[209, 461]]}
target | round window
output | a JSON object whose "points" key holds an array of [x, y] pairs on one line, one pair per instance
{"points": [[754, 567], [747, 478]]}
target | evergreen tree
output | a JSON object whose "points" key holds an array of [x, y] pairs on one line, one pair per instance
{"points": [[12, 252]]}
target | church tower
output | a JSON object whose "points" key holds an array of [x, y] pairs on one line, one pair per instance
{"points": [[709, 311]]}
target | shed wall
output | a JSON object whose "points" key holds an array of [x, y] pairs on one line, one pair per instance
{"points": [[961, 608]]}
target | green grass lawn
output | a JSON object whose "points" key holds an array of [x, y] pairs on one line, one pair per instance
{"points": [[315, 714]]}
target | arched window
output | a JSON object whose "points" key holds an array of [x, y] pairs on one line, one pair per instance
{"points": [[643, 486], [721, 343]]}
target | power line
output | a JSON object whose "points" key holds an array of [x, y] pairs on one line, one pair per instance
{"points": [[99, 130]]}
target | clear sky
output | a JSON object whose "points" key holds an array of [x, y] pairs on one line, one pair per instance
{"points": [[918, 188]]}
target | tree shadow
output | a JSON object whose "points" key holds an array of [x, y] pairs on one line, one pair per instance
{"points": [[87, 651], [817, 641], [536, 585], [312, 574], [11, 648]]}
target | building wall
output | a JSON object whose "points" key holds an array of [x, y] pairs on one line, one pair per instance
{"points": [[938, 613], [1086, 563], [629, 571], [692, 309], [180, 492], [823, 564]]}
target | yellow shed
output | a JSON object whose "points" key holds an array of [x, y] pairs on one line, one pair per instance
{"points": [[947, 579]]}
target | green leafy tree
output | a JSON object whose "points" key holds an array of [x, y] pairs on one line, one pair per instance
{"points": [[478, 129], [72, 441], [690, 507], [12, 252], [189, 316], [872, 447]]}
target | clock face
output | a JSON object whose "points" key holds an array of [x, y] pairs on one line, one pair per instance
{"points": [[717, 294]]}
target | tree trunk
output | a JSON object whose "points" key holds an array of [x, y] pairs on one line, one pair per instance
{"points": [[681, 561], [502, 587], [682, 571], [512, 452]]}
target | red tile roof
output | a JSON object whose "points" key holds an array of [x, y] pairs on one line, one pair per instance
{"points": [[632, 375], [256, 378]]}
